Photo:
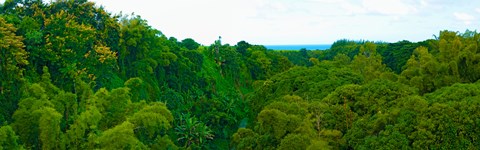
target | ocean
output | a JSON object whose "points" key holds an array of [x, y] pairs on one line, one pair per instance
{"points": [[298, 47]]}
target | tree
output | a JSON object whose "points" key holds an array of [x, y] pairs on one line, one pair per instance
{"points": [[245, 138], [13, 59], [190, 44], [193, 133], [261, 60], [294, 141], [26, 121], [8, 138], [341, 60], [137, 87], [151, 122], [319, 145], [80, 133], [395, 55], [49, 127], [66, 104], [421, 71], [67, 45], [163, 143], [120, 137], [242, 47], [368, 62], [114, 105]]}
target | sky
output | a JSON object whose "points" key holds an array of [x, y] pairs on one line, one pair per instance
{"points": [[284, 22]]}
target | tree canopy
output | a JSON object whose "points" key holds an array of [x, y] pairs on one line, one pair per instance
{"points": [[74, 76]]}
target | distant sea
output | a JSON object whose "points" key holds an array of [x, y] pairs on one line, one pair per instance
{"points": [[298, 47]]}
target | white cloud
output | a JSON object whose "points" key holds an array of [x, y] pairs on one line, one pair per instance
{"points": [[464, 17], [424, 3], [324, 1], [388, 7], [352, 9], [381, 7], [478, 10]]}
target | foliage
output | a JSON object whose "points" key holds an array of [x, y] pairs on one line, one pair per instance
{"points": [[13, 59], [192, 132], [73, 76], [120, 137], [9, 140]]}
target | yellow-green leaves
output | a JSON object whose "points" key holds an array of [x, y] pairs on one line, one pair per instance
{"points": [[294, 141], [8, 138], [152, 120], [245, 138], [12, 48], [368, 62], [36, 121], [116, 104], [421, 71], [276, 123], [85, 126], [120, 137], [13, 60], [105, 54], [49, 126]]}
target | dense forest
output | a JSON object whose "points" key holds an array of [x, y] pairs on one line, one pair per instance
{"points": [[74, 76]]}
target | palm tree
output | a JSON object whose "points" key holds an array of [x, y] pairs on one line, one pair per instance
{"points": [[192, 132]]}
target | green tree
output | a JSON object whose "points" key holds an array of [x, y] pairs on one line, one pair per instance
{"points": [[66, 104], [319, 145], [85, 127], [368, 62], [137, 87], [294, 141], [49, 127], [193, 133], [245, 138], [163, 143], [152, 121], [8, 138], [67, 45], [421, 71], [242, 47], [120, 137], [190, 44], [13, 59], [113, 105], [278, 125], [396, 55], [26, 122]]}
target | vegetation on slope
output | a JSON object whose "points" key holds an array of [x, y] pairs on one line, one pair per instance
{"points": [[73, 76]]}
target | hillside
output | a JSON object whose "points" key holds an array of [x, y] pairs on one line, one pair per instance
{"points": [[74, 76]]}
